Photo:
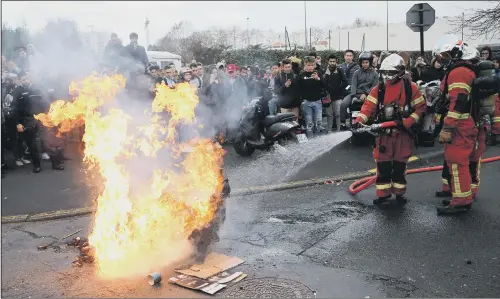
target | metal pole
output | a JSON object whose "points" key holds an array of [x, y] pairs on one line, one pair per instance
{"points": [[421, 13], [305, 25], [387, 24], [463, 20], [329, 39], [310, 38], [234, 37], [285, 37], [248, 36], [339, 38]]}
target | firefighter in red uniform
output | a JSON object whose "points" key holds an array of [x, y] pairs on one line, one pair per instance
{"points": [[495, 122], [460, 133], [397, 96]]}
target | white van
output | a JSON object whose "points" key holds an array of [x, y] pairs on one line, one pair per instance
{"points": [[162, 59]]}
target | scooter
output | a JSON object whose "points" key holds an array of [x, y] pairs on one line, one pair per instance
{"points": [[431, 93], [258, 130], [352, 113]]}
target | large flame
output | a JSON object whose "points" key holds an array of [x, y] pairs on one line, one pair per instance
{"points": [[141, 227]]}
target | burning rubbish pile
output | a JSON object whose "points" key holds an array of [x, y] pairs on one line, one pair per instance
{"points": [[85, 256], [146, 217]]}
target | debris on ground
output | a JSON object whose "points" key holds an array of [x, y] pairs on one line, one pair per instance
{"points": [[211, 285], [211, 276], [154, 279], [213, 265], [86, 255], [45, 246]]}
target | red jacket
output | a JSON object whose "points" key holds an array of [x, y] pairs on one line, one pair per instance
{"points": [[395, 93], [459, 86]]}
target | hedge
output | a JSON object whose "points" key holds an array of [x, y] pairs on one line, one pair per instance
{"points": [[262, 57]]}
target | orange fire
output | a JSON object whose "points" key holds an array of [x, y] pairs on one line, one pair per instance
{"points": [[138, 232]]}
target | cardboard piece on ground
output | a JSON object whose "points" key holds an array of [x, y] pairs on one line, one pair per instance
{"points": [[225, 277], [195, 283], [214, 264], [239, 278]]}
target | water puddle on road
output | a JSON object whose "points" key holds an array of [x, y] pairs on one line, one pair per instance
{"points": [[324, 214], [281, 163]]}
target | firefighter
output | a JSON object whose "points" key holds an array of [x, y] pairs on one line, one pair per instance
{"points": [[395, 98], [495, 123], [474, 167], [462, 134]]}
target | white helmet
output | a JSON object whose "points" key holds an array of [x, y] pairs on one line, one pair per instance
{"points": [[392, 67], [451, 48]]}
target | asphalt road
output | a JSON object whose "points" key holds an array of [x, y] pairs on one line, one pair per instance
{"points": [[25, 192], [321, 237]]}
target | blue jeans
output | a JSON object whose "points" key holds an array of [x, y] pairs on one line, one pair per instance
{"points": [[312, 115], [273, 106]]}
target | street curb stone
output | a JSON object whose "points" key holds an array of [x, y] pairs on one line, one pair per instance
{"points": [[53, 215]]}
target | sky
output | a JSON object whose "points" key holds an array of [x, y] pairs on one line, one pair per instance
{"points": [[124, 17]]}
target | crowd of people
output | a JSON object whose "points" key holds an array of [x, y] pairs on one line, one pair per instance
{"points": [[305, 86]]}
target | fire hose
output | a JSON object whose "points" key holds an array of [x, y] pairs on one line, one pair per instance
{"points": [[364, 183]]}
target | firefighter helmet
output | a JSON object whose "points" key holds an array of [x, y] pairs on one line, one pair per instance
{"points": [[392, 67], [451, 48]]}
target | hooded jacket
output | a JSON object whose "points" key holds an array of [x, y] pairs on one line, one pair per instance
{"points": [[349, 70], [363, 81]]}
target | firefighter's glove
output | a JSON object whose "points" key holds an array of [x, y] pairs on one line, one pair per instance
{"points": [[356, 124], [445, 136], [408, 122]]}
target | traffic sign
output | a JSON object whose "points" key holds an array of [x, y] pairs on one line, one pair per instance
{"points": [[421, 15], [419, 19]]}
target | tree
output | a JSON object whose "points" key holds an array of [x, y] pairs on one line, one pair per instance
{"points": [[295, 39], [317, 34], [359, 23], [482, 22], [60, 34], [12, 39]]}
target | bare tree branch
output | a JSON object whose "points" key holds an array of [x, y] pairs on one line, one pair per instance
{"points": [[482, 22]]}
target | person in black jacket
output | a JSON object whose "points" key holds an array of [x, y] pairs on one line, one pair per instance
{"points": [[285, 86], [29, 101], [336, 82], [113, 52], [418, 69], [138, 59], [434, 72], [311, 86]]}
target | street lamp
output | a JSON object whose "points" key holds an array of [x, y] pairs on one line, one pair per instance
{"points": [[387, 24], [305, 25], [248, 36]]}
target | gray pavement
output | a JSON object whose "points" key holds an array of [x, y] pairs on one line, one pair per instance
{"points": [[333, 243], [24, 192]]}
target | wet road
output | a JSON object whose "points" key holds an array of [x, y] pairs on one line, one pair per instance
{"points": [[333, 243], [24, 192]]}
